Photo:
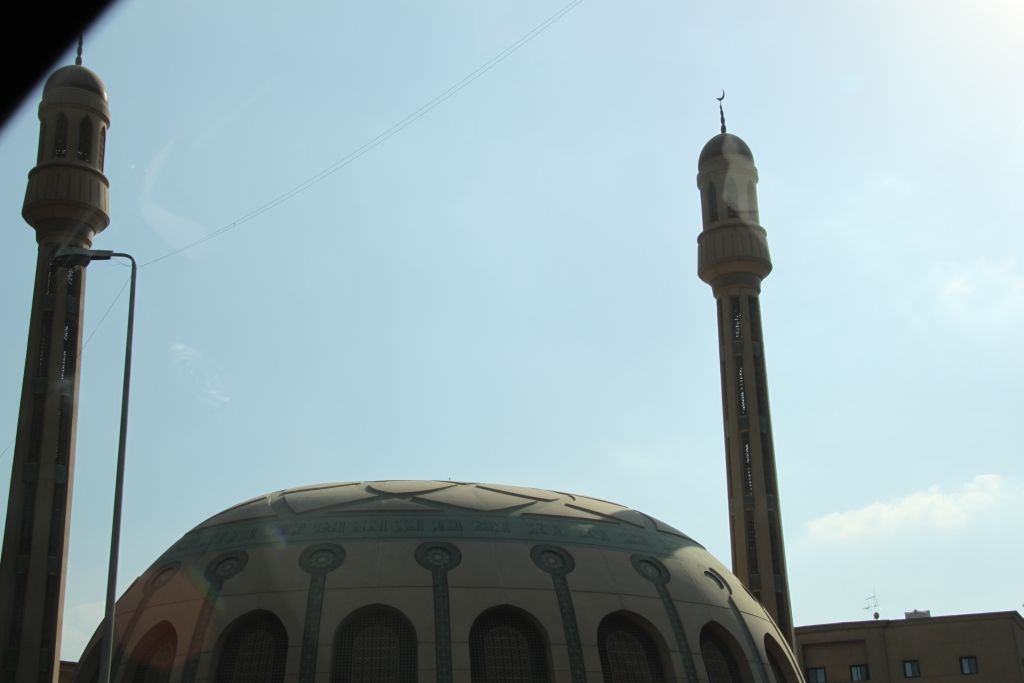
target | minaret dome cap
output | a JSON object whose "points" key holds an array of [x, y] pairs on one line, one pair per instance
{"points": [[722, 145], [76, 76]]}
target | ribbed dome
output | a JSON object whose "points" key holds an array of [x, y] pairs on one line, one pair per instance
{"points": [[470, 505], [724, 144], [75, 76], [411, 581]]}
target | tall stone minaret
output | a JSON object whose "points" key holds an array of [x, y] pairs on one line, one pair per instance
{"points": [[67, 204], [732, 257]]}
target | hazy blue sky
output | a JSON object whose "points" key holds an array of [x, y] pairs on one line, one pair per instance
{"points": [[506, 289]]}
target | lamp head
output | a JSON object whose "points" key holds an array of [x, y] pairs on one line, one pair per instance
{"points": [[73, 257]]}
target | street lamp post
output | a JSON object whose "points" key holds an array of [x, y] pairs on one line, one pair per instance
{"points": [[74, 257]]}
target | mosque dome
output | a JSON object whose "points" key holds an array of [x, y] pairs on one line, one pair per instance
{"points": [[439, 580], [76, 76], [724, 144]]}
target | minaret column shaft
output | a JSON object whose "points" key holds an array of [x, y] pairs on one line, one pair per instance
{"points": [[35, 547], [758, 550]]}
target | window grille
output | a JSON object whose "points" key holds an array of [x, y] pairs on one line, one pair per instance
{"points": [[719, 660], [254, 650], [628, 653], [504, 647], [376, 645]]}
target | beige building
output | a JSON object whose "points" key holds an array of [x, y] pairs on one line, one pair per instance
{"points": [[967, 648]]}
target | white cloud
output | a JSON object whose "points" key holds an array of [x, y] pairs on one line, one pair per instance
{"points": [[986, 295], [930, 510], [80, 621], [203, 374]]}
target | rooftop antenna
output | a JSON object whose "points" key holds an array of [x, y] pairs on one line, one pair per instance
{"points": [[78, 59], [872, 601], [721, 112]]}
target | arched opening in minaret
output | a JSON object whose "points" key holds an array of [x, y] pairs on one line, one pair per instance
{"points": [[60, 140], [712, 207], [85, 139], [103, 146], [751, 200], [42, 142], [732, 199]]}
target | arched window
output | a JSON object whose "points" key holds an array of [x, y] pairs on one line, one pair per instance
{"points": [[153, 657], [779, 662], [719, 656], [505, 646], [752, 199], [103, 146], [42, 142], [375, 645], [628, 652], [252, 650], [60, 141], [712, 203], [85, 139], [731, 196]]}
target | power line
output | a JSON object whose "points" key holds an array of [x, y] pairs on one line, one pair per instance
{"points": [[381, 137], [341, 163]]}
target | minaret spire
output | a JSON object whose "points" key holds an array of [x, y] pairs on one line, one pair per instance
{"points": [[78, 58], [732, 257], [721, 112]]}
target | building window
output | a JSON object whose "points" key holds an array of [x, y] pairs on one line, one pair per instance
{"points": [[719, 659], [628, 652], [911, 668], [968, 665], [253, 651], [816, 674], [859, 672], [375, 644], [506, 647]]}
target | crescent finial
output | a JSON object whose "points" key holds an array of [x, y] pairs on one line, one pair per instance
{"points": [[721, 112], [78, 59]]}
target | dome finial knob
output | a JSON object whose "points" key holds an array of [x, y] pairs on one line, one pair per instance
{"points": [[721, 112], [78, 59]]}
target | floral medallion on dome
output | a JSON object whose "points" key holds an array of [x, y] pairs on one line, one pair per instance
{"points": [[223, 567], [438, 555], [552, 559], [163, 576], [322, 558], [650, 568]]}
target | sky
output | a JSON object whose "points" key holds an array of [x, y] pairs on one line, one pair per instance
{"points": [[473, 256]]}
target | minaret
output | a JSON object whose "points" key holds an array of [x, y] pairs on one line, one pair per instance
{"points": [[732, 257], [67, 204]]}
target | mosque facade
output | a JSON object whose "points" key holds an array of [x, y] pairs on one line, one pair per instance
{"points": [[400, 580]]}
